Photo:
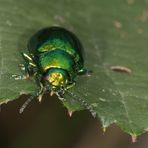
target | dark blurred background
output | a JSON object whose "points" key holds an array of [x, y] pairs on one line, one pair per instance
{"points": [[48, 125]]}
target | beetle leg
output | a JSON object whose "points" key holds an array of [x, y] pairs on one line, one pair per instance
{"points": [[60, 93], [25, 70], [41, 87], [26, 73], [41, 92], [28, 68], [29, 63], [85, 72], [26, 57], [71, 85], [20, 77]]}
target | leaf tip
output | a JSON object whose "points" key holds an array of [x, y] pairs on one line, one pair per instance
{"points": [[134, 138], [70, 113], [104, 129], [105, 124], [94, 114], [5, 102]]}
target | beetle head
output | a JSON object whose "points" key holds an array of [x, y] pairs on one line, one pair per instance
{"points": [[57, 77]]}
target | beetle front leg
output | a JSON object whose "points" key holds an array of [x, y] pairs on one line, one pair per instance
{"points": [[41, 86], [41, 92]]}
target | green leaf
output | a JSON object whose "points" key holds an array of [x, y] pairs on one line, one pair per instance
{"points": [[114, 33]]}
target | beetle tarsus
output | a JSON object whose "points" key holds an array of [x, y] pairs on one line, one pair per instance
{"points": [[85, 72], [20, 77]]}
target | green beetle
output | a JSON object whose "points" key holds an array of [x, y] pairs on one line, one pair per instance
{"points": [[55, 59]]}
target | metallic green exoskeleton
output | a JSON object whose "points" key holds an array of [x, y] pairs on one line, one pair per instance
{"points": [[55, 58]]}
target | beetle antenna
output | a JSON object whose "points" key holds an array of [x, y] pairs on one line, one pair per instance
{"points": [[83, 102], [74, 96], [26, 104], [38, 94]]}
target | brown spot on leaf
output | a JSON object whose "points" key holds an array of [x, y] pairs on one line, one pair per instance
{"points": [[117, 24], [130, 2], [140, 30], [144, 16], [121, 69]]}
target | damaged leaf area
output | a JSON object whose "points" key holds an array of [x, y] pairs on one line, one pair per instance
{"points": [[114, 36]]}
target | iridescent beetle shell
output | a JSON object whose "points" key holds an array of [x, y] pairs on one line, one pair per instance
{"points": [[55, 58], [58, 56]]}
